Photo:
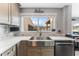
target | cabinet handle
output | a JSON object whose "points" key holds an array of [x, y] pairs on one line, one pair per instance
{"points": [[64, 43]]}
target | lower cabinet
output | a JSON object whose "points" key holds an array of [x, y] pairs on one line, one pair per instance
{"points": [[10, 52], [47, 51], [24, 48], [34, 51], [41, 51], [22, 51]]}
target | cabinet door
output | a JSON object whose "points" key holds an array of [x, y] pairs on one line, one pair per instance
{"points": [[13, 53], [22, 48], [47, 51], [22, 51], [10, 52], [4, 13], [34, 51], [15, 14]]}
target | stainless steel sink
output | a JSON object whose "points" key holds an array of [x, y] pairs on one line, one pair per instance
{"points": [[41, 38], [42, 41]]}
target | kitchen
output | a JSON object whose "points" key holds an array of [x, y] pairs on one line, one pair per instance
{"points": [[23, 34]]}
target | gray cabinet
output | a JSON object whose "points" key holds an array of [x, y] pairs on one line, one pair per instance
{"points": [[14, 14], [4, 13], [10, 52], [9, 13]]}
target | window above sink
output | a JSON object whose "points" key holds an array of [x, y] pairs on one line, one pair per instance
{"points": [[39, 23]]}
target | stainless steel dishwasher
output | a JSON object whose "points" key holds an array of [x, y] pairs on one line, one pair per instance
{"points": [[64, 48]]}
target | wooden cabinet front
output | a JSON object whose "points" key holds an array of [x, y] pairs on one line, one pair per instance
{"points": [[22, 48], [25, 49], [22, 51], [34, 51], [47, 51]]}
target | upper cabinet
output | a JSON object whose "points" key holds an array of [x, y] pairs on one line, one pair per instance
{"points": [[15, 14], [75, 9], [4, 10], [9, 13]]}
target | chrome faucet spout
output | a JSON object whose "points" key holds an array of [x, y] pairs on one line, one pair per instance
{"points": [[40, 34]]}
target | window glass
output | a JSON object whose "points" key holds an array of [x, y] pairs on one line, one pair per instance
{"points": [[41, 23]]}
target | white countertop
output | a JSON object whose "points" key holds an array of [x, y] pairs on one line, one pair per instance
{"points": [[8, 42], [54, 38]]}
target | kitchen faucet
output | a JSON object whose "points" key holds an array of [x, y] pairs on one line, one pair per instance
{"points": [[40, 34]]}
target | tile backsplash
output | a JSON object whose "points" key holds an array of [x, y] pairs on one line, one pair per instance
{"points": [[4, 31]]}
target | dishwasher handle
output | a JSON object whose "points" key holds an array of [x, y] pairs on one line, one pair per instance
{"points": [[64, 43]]}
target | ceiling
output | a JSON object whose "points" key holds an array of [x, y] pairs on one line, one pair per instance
{"points": [[43, 5]]}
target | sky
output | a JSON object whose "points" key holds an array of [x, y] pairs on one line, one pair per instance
{"points": [[41, 20]]}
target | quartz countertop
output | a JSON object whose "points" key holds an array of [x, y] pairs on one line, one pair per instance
{"points": [[8, 42], [54, 38]]}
